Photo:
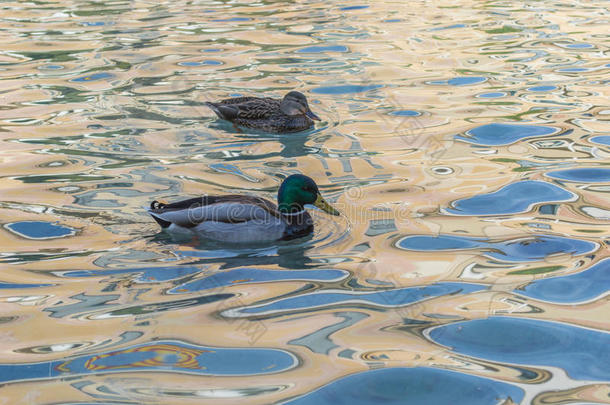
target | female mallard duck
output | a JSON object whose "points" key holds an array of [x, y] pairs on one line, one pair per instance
{"points": [[291, 114], [241, 218]]}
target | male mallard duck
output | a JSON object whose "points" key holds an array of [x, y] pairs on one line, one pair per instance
{"points": [[241, 218], [291, 114]]}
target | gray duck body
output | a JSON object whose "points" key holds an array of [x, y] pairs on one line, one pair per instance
{"points": [[232, 218], [243, 218]]}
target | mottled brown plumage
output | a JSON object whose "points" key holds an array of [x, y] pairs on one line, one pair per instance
{"points": [[291, 114]]}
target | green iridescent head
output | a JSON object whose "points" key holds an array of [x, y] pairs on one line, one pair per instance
{"points": [[296, 191]]}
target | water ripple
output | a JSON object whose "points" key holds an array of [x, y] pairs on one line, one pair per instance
{"points": [[252, 275], [39, 230], [169, 356], [140, 274], [345, 89], [439, 124], [511, 199], [419, 385], [333, 298], [530, 248], [581, 352], [504, 134], [602, 140], [582, 175], [459, 81], [584, 286]]}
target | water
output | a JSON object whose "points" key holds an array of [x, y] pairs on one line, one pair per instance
{"points": [[465, 143]]}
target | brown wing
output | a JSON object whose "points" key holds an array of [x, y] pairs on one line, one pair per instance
{"points": [[239, 100], [253, 110], [246, 108]]}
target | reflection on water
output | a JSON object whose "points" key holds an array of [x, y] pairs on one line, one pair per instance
{"points": [[582, 175], [514, 198], [587, 285], [412, 386], [535, 247], [503, 134], [38, 230], [161, 356], [387, 298], [580, 352], [465, 144]]}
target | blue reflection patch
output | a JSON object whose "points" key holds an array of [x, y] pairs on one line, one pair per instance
{"points": [[465, 81], [542, 88], [424, 243], [574, 288], [321, 49], [602, 140], [145, 274], [579, 46], [405, 113], [207, 62], [504, 134], [531, 248], [459, 81], [449, 27], [229, 168], [497, 94], [7, 286], [249, 276], [582, 353], [573, 70], [418, 385], [39, 230], [234, 19], [353, 8], [52, 67], [582, 175], [346, 89], [93, 77], [511, 199], [385, 299], [163, 356]]}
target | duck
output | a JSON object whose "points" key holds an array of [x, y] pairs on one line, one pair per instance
{"points": [[243, 218], [290, 114]]}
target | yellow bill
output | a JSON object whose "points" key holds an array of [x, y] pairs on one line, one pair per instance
{"points": [[324, 206]]}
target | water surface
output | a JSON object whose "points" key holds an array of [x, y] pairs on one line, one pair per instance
{"points": [[465, 144]]}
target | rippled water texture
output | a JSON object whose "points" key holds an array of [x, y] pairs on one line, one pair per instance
{"points": [[465, 143]]}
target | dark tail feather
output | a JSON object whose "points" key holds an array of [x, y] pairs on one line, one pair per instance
{"points": [[155, 205], [163, 224], [226, 112]]}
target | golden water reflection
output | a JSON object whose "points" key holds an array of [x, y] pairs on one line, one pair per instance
{"points": [[433, 126]]}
